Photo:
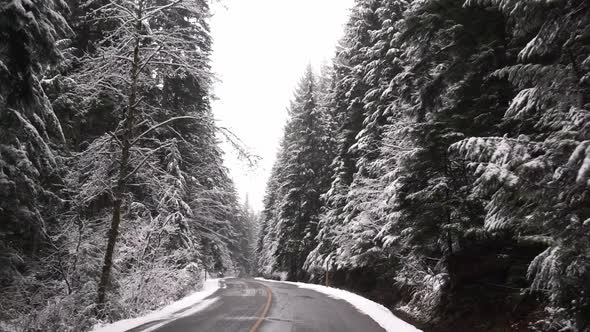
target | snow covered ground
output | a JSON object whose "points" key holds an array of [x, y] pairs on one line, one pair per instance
{"points": [[184, 307], [383, 316]]}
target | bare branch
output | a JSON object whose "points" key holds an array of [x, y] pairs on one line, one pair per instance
{"points": [[240, 147], [187, 117], [154, 11], [145, 159], [115, 138], [150, 57]]}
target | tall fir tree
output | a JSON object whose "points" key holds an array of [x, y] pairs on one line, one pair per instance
{"points": [[301, 177], [536, 174], [30, 137]]}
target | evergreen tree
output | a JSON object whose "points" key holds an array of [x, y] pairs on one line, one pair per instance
{"points": [[536, 174], [432, 221], [267, 237], [30, 133], [301, 176], [347, 109]]}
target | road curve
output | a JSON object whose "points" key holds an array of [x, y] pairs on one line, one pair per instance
{"points": [[258, 306]]}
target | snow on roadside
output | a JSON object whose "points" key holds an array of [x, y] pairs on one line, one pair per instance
{"points": [[380, 314], [184, 307]]}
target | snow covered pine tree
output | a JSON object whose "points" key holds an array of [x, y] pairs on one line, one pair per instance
{"points": [[29, 136], [462, 141]]}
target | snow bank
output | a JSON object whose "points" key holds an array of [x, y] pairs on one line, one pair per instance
{"points": [[380, 314], [184, 307]]}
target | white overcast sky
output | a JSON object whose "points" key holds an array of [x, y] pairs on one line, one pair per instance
{"points": [[260, 50]]}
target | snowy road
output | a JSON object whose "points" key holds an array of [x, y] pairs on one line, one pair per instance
{"points": [[259, 306]]}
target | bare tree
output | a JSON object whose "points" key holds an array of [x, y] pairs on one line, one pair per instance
{"points": [[148, 40]]}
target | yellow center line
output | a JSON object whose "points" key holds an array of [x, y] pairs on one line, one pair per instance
{"points": [[264, 310]]}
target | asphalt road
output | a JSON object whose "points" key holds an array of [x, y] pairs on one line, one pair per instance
{"points": [[258, 306]]}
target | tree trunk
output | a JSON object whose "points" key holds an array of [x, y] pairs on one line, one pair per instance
{"points": [[108, 258]]}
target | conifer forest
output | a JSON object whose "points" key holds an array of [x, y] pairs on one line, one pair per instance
{"points": [[438, 165]]}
